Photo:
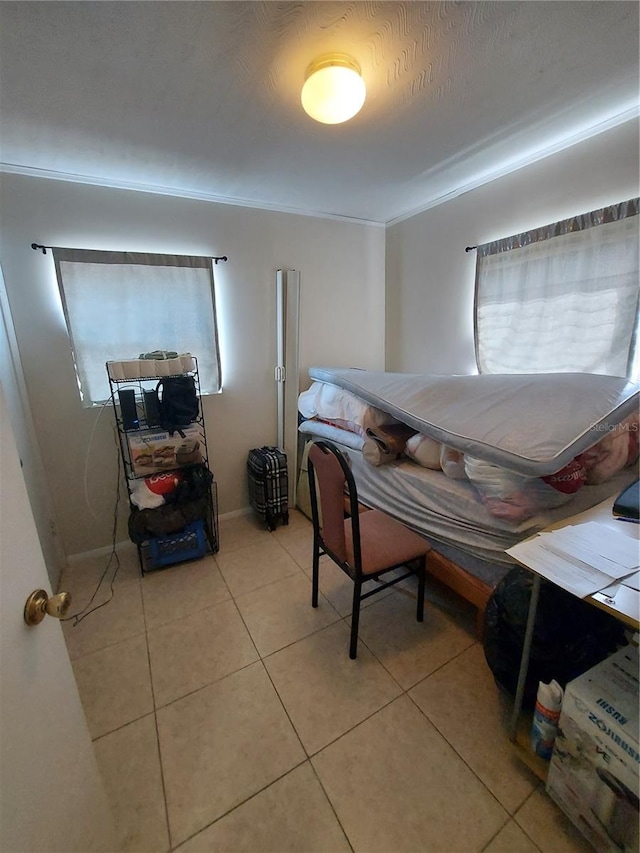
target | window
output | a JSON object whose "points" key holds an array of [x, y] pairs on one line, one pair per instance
{"points": [[563, 298], [118, 305]]}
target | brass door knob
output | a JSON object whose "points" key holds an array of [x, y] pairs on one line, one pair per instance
{"points": [[39, 604]]}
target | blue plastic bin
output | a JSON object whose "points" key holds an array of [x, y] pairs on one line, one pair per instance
{"points": [[188, 544]]}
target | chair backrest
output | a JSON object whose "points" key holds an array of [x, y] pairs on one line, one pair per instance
{"points": [[328, 467]]}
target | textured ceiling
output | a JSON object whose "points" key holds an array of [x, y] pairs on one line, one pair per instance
{"points": [[203, 98]]}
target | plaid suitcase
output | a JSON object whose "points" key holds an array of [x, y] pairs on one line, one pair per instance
{"points": [[269, 484]]}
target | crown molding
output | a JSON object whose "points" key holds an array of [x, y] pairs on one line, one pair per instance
{"points": [[480, 180], [520, 163], [209, 198]]}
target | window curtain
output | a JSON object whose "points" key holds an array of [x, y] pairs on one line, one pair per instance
{"points": [[118, 305], [563, 298]]}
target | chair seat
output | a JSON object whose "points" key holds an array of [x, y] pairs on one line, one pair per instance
{"points": [[384, 542]]}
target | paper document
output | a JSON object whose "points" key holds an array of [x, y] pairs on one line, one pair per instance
{"points": [[572, 546], [569, 573], [601, 540], [632, 581]]}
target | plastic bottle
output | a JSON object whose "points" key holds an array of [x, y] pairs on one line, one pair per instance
{"points": [[545, 718]]}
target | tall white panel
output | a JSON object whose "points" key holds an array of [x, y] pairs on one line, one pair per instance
{"points": [[286, 373]]}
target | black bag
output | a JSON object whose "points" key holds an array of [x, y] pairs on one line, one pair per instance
{"points": [[178, 403], [570, 635], [269, 484], [190, 501]]}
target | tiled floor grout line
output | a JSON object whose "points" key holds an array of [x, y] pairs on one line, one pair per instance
{"points": [[155, 721], [162, 782], [461, 757], [107, 646], [520, 807], [208, 684], [497, 833], [262, 659], [238, 805], [95, 740], [344, 831], [510, 816], [405, 692], [308, 756]]}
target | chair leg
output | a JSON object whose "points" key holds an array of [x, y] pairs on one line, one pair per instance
{"points": [[421, 580], [355, 619], [315, 575]]}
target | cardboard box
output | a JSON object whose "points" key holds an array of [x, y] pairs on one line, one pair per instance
{"points": [[593, 774], [155, 451]]}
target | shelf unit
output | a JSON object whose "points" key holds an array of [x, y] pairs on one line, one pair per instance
{"points": [[147, 451]]}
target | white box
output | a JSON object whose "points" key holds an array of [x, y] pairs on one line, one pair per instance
{"points": [[154, 451], [593, 774]]}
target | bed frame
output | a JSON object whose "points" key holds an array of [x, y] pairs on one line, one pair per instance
{"points": [[472, 589]]}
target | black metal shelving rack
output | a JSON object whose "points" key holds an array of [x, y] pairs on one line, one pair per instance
{"points": [[144, 430]]}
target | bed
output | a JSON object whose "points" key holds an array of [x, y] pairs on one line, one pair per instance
{"points": [[487, 436]]}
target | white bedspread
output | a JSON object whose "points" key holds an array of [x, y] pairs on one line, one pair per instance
{"points": [[449, 510]]}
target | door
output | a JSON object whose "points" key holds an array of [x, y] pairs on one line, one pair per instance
{"points": [[51, 794], [16, 398]]}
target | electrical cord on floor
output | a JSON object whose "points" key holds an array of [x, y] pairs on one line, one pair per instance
{"points": [[76, 618]]}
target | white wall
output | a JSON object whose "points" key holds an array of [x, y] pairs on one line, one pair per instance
{"points": [[430, 278], [342, 323]]}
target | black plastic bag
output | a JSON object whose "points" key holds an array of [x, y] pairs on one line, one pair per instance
{"points": [[190, 501], [570, 635]]}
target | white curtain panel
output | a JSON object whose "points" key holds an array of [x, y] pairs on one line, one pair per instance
{"points": [[120, 304], [564, 304]]}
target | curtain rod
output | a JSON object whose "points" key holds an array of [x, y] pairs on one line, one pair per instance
{"points": [[470, 248], [37, 246]]}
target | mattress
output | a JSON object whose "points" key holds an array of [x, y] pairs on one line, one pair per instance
{"points": [[448, 511], [533, 424]]}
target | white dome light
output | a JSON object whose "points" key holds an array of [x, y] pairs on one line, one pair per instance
{"points": [[333, 91]]}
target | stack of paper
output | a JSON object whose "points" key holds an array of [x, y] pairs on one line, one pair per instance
{"points": [[584, 558]]}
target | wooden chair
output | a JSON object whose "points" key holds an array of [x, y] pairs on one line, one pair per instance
{"points": [[364, 545]]}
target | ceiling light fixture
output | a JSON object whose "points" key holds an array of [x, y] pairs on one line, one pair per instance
{"points": [[333, 91]]}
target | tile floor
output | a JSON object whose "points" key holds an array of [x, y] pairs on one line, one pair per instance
{"points": [[227, 716]]}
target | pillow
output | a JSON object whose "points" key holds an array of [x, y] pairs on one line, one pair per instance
{"points": [[452, 463], [347, 426], [307, 401], [319, 429], [424, 450], [341, 408], [431, 454]]}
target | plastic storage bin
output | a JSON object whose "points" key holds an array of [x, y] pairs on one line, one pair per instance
{"points": [[190, 543]]}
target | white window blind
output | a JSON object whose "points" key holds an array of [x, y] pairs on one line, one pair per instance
{"points": [[563, 298], [118, 305]]}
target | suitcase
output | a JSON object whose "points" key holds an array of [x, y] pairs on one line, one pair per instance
{"points": [[269, 484]]}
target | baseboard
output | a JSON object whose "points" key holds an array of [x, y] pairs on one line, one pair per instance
{"points": [[120, 546], [99, 552], [235, 513]]}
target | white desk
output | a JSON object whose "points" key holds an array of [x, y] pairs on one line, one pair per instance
{"points": [[624, 606]]}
